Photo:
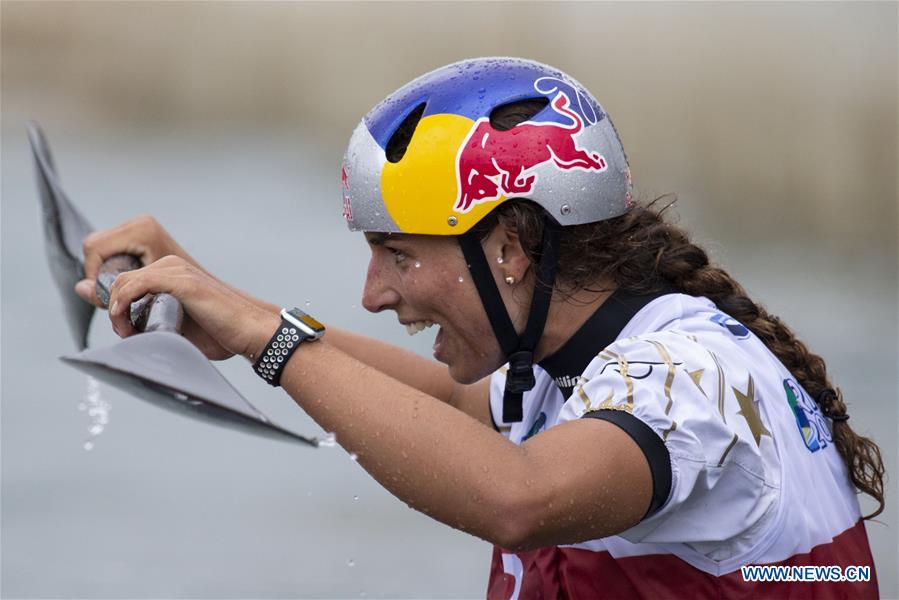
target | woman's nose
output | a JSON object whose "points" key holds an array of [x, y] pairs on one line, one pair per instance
{"points": [[378, 294]]}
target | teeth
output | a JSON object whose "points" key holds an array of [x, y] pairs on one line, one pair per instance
{"points": [[413, 328]]}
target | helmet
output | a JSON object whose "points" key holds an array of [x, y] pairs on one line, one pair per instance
{"points": [[430, 159], [567, 157]]}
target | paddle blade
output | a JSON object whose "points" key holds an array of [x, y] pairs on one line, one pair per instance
{"points": [[65, 229], [167, 370]]}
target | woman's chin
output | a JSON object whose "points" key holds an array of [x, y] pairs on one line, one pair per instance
{"points": [[473, 365], [466, 374]]}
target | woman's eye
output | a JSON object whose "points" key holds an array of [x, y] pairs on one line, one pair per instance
{"points": [[398, 255]]}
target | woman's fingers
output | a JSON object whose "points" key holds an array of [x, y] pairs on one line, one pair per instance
{"points": [[166, 275], [222, 322], [142, 237]]}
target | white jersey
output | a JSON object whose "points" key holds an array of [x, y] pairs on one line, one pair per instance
{"points": [[754, 475]]}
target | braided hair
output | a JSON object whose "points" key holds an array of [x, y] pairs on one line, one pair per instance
{"points": [[642, 253]]}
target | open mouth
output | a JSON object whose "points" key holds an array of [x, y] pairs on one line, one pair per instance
{"points": [[416, 326]]}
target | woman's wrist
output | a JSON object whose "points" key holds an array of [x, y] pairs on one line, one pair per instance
{"points": [[266, 324]]}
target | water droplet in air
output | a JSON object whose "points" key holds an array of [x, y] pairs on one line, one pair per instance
{"points": [[417, 265], [354, 457], [88, 445], [351, 563], [355, 498], [499, 259], [461, 279], [308, 303]]}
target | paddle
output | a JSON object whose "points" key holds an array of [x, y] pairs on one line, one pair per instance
{"points": [[157, 365]]}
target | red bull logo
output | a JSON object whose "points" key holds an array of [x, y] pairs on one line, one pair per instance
{"points": [[347, 205], [492, 164]]}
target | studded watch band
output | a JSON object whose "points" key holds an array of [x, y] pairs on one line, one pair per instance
{"points": [[278, 351]]}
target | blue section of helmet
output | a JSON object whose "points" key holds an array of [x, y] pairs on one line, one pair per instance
{"points": [[473, 88]]}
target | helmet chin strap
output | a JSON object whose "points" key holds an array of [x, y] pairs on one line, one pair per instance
{"points": [[519, 350]]}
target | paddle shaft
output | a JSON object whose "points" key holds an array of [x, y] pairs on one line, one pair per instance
{"points": [[153, 312]]}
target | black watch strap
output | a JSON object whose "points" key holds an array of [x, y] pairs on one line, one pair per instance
{"points": [[278, 351]]}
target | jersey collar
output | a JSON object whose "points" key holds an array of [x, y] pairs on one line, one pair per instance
{"points": [[601, 329]]}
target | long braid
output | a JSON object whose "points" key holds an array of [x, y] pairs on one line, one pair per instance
{"points": [[686, 266], [640, 252]]}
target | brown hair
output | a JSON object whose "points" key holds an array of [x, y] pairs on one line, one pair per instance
{"points": [[642, 253]]}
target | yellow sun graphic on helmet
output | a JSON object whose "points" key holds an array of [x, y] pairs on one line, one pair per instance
{"points": [[420, 190]]}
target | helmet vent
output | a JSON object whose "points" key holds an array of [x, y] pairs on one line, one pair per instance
{"points": [[507, 116], [399, 141]]}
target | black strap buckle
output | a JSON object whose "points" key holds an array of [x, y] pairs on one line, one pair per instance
{"points": [[520, 377]]}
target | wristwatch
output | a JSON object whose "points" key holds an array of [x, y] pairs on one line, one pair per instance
{"points": [[296, 327]]}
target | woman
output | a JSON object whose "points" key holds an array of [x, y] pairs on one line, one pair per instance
{"points": [[653, 429]]}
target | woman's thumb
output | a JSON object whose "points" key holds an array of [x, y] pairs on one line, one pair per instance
{"points": [[86, 290]]}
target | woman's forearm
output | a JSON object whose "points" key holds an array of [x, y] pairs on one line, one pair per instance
{"points": [[427, 376]]}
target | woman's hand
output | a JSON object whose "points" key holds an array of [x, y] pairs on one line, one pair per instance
{"points": [[145, 238], [142, 237], [226, 318]]}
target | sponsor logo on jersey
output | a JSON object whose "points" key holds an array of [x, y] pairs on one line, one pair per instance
{"points": [[811, 423], [566, 381], [736, 328], [536, 427], [636, 369]]}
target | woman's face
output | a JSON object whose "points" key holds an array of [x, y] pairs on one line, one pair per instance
{"points": [[425, 279]]}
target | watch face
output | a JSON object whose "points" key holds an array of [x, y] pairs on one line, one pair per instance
{"points": [[310, 322]]}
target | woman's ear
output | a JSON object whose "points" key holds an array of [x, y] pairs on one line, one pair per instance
{"points": [[506, 256]]}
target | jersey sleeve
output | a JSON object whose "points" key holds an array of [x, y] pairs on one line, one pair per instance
{"points": [[668, 392]]}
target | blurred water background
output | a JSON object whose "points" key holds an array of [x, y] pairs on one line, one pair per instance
{"points": [[776, 124]]}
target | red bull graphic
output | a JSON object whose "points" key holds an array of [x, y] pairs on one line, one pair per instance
{"points": [[347, 206], [492, 163], [628, 199]]}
